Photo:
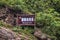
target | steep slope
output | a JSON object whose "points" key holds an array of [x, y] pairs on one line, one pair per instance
{"points": [[7, 34]]}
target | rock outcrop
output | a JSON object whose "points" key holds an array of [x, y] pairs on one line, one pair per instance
{"points": [[40, 35], [6, 34]]}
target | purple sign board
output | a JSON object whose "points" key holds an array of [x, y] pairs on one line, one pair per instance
{"points": [[26, 20]]}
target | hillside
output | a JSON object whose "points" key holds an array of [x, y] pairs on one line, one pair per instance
{"points": [[47, 15], [8, 32]]}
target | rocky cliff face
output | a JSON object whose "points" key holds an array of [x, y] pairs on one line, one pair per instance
{"points": [[6, 15], [3, 12], [40, 35], [6, 34]]}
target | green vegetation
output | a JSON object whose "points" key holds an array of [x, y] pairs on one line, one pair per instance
{"points": [[47, 14], [25, 33]]}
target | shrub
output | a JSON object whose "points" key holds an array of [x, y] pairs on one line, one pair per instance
{"points": [[49, 23]]}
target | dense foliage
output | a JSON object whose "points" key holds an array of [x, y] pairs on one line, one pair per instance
{"points": [[47, 13]]}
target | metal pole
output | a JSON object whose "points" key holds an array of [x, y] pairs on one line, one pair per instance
{"points": [[35, 23]]}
